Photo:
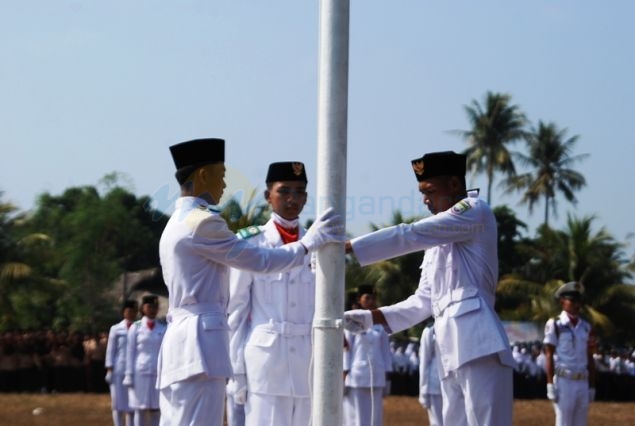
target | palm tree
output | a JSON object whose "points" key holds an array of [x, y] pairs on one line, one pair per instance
{"points": [[21, 280], [595, 259], [495, 124], [254, 213], [576, 253], [550, 158]]}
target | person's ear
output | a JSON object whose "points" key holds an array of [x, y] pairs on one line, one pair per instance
{"points": [[455, 184], [267, 195], [201, 175]]}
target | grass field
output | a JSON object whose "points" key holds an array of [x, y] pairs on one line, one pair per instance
{"points": [[94, 410]]}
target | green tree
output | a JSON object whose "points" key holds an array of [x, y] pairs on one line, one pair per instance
{"points": [[95, 239], [494, 125], [550, 157], [598, 262], [254, 213], [509, 234], [25, 291]]}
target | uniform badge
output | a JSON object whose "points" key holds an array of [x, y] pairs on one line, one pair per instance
{"points": [[297, 168], [248, 232], [418, 167], [461, 207]]}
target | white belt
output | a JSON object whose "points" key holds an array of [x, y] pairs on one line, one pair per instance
{"points": [[571, 375], [286, 328], [195, 309], [456, 295]]}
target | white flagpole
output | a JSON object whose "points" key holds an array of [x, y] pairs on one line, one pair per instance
{"points": [[331, 192]]}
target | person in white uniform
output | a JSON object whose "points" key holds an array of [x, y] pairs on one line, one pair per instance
{"points": [[367, 363], [458, 281], [569, 345], [115, 364], [271, 314], [429, 376], [196, 251], [144, 341]]}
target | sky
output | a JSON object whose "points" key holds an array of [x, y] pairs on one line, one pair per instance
{"points": [[88, 88]]}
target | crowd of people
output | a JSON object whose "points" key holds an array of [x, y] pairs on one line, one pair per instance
{"points": [[49, 361], [614, 364]]}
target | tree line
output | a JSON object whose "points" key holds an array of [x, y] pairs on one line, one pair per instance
{"points": [[60, 263]]}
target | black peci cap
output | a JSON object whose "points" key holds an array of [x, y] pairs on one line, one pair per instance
{"points": [[132, 304], [445, 163], [365, 289], [189, 156], [286, 170], [151, 299]]}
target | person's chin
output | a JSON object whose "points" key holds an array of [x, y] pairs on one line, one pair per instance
{"points": [[291, 214]]}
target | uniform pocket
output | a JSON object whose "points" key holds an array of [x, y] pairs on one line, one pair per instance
{"points": [[262, 340], [463, 307], [214, 322]]}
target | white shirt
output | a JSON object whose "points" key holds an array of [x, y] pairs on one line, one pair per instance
{"points": [[270, 318], [571, 342], [458, 281], [143, 347], [368, 358], [116, 348], [196, 250]]}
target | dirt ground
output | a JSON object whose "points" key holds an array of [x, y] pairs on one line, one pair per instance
{"points": [[406, 411], [94, 410]]}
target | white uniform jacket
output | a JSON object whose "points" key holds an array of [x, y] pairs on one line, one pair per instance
{"points": [[196, 250], [368, 358], [270, 318], [458, 281], [116, 348], [571, 342], [143, 347]]}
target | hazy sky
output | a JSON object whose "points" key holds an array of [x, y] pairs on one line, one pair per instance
{"points": [[92, 87]]}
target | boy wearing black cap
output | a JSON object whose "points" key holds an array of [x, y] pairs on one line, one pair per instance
{"points": [[459, 274], [144, 341], [271, 314], [196, 250], [115, 364], [570, 374], [367, 363]]}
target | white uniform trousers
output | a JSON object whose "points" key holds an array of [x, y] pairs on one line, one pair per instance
{"points": [[198, 400], [364, 406], [435, 411], [122, 418], [271, 410], [572, 407], [147, 417], [235, 412], [119, 394], [478, 393]]}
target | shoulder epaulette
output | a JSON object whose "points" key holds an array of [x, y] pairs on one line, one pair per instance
{"points": [[556, 326], [461, 207], [248, 232]]}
